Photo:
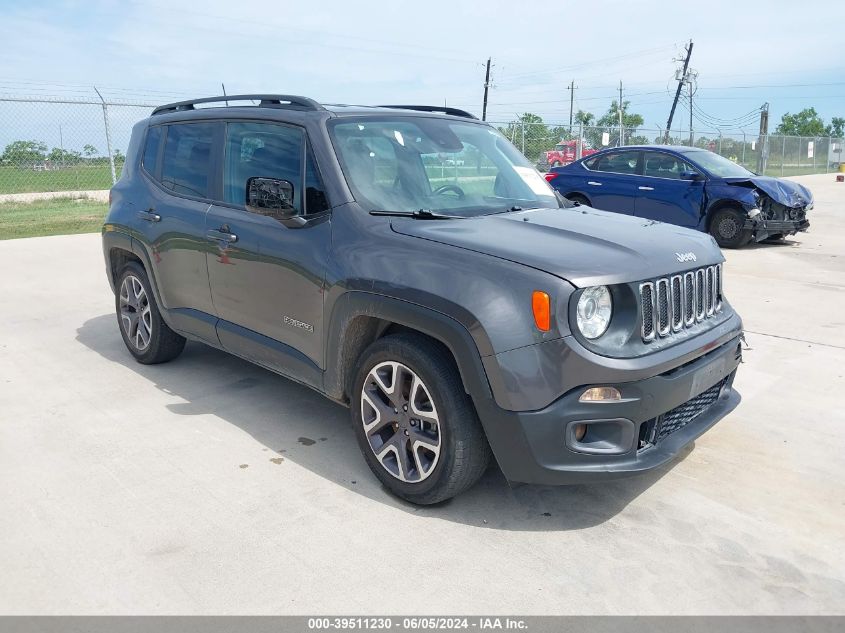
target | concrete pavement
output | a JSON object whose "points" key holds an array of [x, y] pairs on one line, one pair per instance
{"points": [[208, 485]]}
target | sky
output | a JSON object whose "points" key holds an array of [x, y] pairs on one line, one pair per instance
{"points": [[746, 52]]}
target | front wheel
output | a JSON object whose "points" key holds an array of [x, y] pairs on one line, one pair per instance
{"points": [[726, 227], [414, 423]]}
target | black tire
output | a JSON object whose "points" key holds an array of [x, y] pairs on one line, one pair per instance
{"points": [[726, 227], [577, 197], [463, 454], [162, 344]]}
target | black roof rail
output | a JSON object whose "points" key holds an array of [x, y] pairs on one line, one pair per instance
{"points": [[427, 108], [267, 101]]}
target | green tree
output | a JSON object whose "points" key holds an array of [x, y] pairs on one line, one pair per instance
{"points": [[24, 153], [805, 123], [531, 135], [837, 127], [59, 156], [584, 118], [610, 123], [89, 150]]}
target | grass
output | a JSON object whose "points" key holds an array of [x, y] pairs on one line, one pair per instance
{"points": [[75, 178], [60, 216]]}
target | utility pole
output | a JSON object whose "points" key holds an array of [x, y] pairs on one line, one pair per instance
{"points": [[486, 88], [621, 130], [691, 136], [571, 104], [762, 140], [681, 81]]}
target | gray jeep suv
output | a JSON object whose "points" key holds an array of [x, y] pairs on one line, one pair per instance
{"points": [[409, 263]]}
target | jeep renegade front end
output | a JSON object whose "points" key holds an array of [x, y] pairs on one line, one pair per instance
{"points": [[408, 262]]}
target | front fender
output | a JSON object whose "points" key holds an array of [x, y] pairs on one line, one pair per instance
{"points": [[342, 352]]}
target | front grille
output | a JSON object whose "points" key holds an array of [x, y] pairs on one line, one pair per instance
{"points": [[670, 304], [663, 307], [682, 415], [689, 299], [677, 294], [647, 300]]}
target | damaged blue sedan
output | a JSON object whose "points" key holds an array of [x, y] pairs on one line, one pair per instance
{"points": [[689, 187]]}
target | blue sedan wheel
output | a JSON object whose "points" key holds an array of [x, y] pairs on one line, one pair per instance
{"points": [[726, 227]]}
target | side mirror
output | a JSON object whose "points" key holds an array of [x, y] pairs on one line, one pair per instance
{"points": [[690, 175], [270, 197]]}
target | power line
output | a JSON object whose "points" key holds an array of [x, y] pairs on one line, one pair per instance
{"points": [[602, 61]]}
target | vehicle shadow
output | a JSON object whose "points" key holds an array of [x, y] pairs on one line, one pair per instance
{"points": [[784, 243], [298, 424]]}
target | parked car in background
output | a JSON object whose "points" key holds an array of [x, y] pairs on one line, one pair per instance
{"points": [[564, 153], [689, 187]]}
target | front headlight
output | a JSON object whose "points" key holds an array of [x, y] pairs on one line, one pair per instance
{"points": [[593, 311]]}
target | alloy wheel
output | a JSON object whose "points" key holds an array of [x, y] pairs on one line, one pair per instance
{"points": [[400, 421], [135, 313]]}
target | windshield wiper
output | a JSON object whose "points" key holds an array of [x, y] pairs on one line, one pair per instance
{"points": [[421, 214]]}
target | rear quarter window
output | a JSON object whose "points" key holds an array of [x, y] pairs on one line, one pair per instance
{"points": [[151, 147]]}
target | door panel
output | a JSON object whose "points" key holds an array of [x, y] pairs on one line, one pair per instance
{"points": [[172, 227], [611, 181], [270, 281], [663, 196], [267, 278]]}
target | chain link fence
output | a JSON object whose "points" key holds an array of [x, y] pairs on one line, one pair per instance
{"points": [[60, 146], [58, 158], [549, 145], [73, 150]]}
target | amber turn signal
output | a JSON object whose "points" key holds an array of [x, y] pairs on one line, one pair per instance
{"points": [[542, 308]]}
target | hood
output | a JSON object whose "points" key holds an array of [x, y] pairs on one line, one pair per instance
{"points": [[785, 192], [581, 245]]}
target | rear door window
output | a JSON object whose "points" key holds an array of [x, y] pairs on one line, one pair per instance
{"points": [[616, 163], [186, 164]]}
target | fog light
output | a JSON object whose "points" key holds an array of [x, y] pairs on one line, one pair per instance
{"points": [[600, 394], [580, 431]]}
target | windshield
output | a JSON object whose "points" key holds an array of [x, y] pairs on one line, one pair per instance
{"points": [[720, 166], [446, 166]]}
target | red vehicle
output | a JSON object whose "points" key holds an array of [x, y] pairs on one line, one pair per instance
{"points": [[564, 153]]}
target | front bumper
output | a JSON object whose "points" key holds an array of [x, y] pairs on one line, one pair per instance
{"points": [[763, 229], [539, 446]]}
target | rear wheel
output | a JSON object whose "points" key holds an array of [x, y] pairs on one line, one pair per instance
{"points": [[726, 227], [146, 335], [414, 423], [578, 198]]}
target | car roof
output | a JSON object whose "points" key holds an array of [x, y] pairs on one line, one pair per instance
{"points": [[681, 149]]}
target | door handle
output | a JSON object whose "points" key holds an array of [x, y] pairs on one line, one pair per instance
{"points": [[149, 215], [594, 183], [646, 188], [222, 235]]}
